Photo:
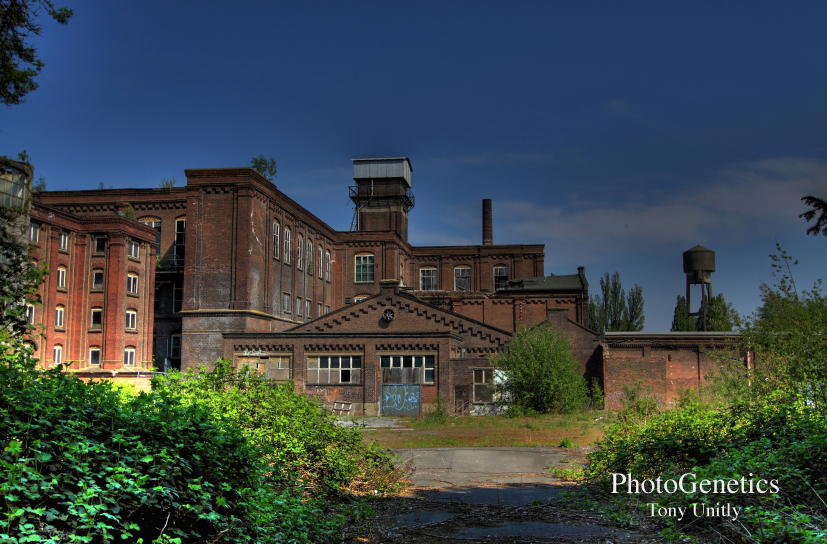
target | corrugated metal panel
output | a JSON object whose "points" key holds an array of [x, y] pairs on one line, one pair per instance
{"points": [[397, 168]]}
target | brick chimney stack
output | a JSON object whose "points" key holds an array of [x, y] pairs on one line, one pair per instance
{"points": [[487, 227]]}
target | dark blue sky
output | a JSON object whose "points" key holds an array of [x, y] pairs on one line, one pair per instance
{"points": [[617, 135]]}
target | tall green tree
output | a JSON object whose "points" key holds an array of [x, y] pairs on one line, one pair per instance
{"points": [[540, 372], [720, 316], [681, 321], [613, 310], [266, 166], [819, 206], [19, 63]]}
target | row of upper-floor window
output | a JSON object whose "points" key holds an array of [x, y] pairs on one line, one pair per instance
{"points": [[95, 319], [97, 280], [287, 306], [133, 247], [304, 252], [94, 355], [428, 276], [179, 242]]}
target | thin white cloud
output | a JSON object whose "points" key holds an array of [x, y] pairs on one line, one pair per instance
{"points": [[740, 202]]}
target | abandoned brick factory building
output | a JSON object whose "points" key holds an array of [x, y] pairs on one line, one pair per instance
{"points": [[229, 266]]}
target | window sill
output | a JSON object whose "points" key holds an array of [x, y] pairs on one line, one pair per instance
{"points": [[64, 251], [60, 329], [365, 281], [61, 290], [133, 295], [134, 259], [96, 290], [94, 330], [131, 331]]}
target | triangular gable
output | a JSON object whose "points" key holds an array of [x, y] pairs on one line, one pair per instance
{"points": [[410, 314]]}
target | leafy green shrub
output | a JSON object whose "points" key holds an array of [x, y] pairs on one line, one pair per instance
{"points": [[540, 373], [567, 443], [439, 414], [300, 441], [81, 462]]}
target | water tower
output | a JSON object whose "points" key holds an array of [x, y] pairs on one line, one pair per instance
{"points": [[698, 265]]}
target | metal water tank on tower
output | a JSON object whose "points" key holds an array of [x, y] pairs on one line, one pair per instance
{"points": [[698, 265]]}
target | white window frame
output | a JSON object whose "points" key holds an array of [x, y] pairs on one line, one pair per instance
{"points": [[327, 265], [320, 368], [133, 249], [60, 317], [96, 287], [299, 253], [288, 250], [92, 319], [34, 233], [457, 269], [57, 354], [426, 362], [435, 278], [132, 284], [63, 241], [131, 320], [321, 262], [276, 228], [91, 351], [363, 268], [484, 383], [129, 357], [30, 314], [61, 277], [309, 259]]}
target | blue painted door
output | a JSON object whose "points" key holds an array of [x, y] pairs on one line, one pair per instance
{"points": [[401, 399]]}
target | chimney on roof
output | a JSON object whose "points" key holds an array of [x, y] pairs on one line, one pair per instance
{"points": [[487, 226]]}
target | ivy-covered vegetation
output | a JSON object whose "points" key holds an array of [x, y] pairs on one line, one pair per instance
{"points": [[767, 422]]}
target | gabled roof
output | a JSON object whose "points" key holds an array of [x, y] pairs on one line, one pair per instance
{"points": [[411, 315]]}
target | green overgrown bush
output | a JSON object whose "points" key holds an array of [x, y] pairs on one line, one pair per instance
{"points": [[80, 462], [301, 442], [540, 373]]}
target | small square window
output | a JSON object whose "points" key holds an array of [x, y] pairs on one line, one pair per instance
{"points": [[131, 319], [95, 356], [133, 249], [97, 318], [63, 241], [100, 244], [132, 284], [97, 280]]}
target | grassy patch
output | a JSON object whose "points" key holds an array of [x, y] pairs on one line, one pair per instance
{"points": [[581, 428]]}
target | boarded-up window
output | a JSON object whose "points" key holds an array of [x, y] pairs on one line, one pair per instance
{"points": [[334, 369], [402, 369], [272, 367]]}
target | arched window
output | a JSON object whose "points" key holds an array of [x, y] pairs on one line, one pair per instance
{"points": [[60, 314], [57, 354], [61, 277], [427, 278], [309, 256], [288, 252], [320, 265], [276, 228], [327, 265], [132, 284], [462, 278], [131, 319], [129, 356], [364, 267]]}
